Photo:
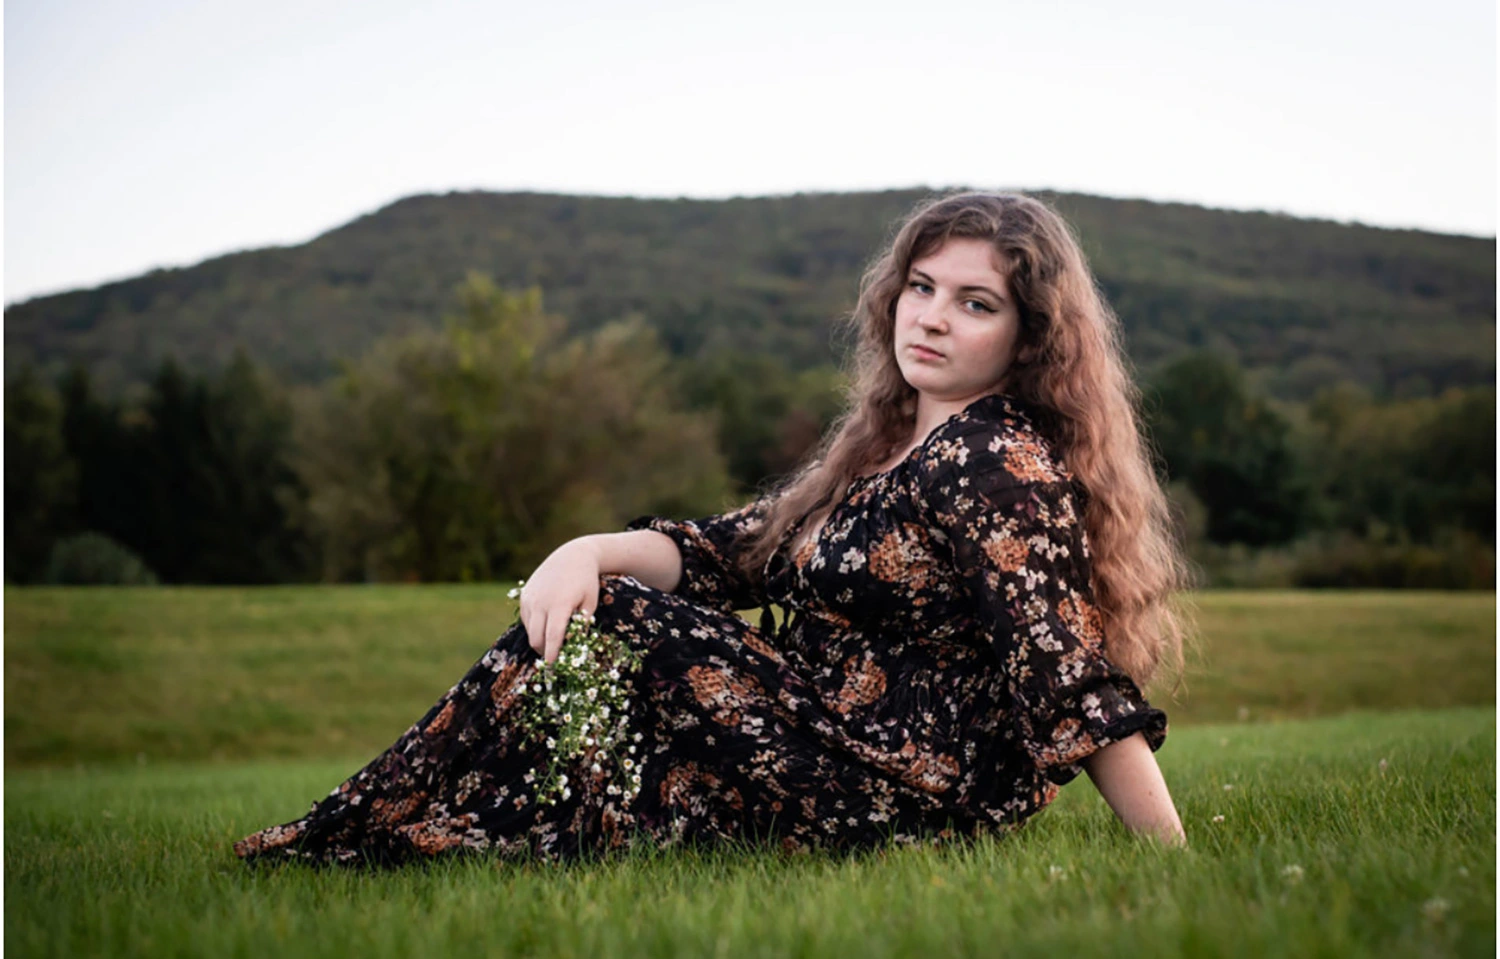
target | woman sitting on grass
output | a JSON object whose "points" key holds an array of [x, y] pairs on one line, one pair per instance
{"points": [[977, 571]]}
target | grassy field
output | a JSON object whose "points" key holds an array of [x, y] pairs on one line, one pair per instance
{"points": [[145, 730], [101, 675]]}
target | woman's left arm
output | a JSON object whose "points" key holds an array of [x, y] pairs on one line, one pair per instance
{"points": [[1126, 775], [1017, 538]]}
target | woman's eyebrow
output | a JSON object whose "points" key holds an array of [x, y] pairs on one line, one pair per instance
{"points": [[963, 289]]}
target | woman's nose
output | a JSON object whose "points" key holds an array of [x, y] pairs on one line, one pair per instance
{"points": [[934, 318]]}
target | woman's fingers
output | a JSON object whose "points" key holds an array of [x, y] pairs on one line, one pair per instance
{"points": [[534, 618], [536, 631], [557, 631], [547, 629], [546, 623], [567, 580]]}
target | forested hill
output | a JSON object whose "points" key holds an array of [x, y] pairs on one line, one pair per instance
{"points": [[1304, 303]]}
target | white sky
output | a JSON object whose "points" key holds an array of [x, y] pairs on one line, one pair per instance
{"points": [[161, 132]]}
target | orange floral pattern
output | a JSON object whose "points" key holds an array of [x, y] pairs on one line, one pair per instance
{"points": [[938, 674], [864, 683]]}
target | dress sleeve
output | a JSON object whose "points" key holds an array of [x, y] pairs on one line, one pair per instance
{"points": [[1012, 523], [710, 548]]}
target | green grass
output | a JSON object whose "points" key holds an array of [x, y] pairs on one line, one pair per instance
{"points": [[148, 729], [100, 675], [1287, 654], [1399, 861]]}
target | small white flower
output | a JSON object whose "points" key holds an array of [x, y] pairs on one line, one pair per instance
{"points": [[629, 764], [521, 688], [594, 768], [562, 780], [637, 737], [1219, 818], [551, 743], [1228, 786], [1292, 874], [1056, 873], [566, 792], [567, 717], [632, 750]]}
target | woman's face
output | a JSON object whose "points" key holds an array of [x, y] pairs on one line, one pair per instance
{"points": [[956, 325]]}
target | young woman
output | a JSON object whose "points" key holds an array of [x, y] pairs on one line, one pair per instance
{"points": [[977, 571]]}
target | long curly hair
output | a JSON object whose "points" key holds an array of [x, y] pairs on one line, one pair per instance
{"points": [[1071, 372]]}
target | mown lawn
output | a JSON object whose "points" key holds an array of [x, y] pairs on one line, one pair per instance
{"points": [[146, 730], [1322, 851], [97, 675]]}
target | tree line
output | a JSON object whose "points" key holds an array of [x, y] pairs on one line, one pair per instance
{"points": [[468, 451]]}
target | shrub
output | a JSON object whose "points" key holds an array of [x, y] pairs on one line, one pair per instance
{"points": [[1454, 560], [93, 559]]}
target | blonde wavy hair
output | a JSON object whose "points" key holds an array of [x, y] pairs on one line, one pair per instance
{"points": [[1070, 370]]}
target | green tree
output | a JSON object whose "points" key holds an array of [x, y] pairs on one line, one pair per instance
{"points": [[472, 452], [1411, 468], [115, 483], [40, 477], [246, 533], [1230, 447], [1454, 458], [768, 416], [196, 479]]}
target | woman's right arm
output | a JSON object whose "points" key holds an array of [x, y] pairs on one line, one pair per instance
{"points": [[568, 580], [649, 556]]}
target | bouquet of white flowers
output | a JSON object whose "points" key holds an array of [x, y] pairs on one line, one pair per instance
{"points": [[579, 705]]}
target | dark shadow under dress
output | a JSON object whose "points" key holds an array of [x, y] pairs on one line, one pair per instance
{"points": [[940, 674]]}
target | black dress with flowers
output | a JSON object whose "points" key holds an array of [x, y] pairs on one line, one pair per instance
{"points": [[940, 673]]}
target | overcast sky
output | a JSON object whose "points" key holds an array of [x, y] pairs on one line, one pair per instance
{"points": [[162, 132]]}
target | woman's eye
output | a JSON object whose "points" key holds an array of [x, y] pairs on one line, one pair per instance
{"points": [[979, 306], [919, 286]]}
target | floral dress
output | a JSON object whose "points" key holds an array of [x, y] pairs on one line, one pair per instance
{"points": [[940, 673]]}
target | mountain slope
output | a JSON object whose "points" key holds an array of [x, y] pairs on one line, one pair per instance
{"points": [[1304, 302]]}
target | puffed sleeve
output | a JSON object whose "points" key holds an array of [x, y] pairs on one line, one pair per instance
{"points": [[710, 548], [1011, 518]]}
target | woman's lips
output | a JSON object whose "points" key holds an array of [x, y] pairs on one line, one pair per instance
{"points": [[926, 352]]}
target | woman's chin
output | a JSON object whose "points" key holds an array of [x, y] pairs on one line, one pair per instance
{"points": [[920, 378], [933, 387]]}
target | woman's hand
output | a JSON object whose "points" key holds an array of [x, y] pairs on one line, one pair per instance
{"points": [[567, 581]]}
